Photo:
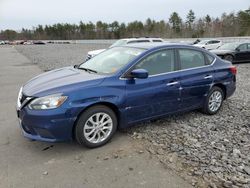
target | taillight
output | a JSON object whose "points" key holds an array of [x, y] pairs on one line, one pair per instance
{"points": [[233, 70]]}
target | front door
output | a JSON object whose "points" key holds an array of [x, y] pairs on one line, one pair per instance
{"points": [[157, 95], [243, 54]]}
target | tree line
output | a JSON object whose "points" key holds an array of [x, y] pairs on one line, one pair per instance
{"points": [[232, 24]]}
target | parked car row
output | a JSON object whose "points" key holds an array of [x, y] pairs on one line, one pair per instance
{"points": [[233, 52], [22, 42]]}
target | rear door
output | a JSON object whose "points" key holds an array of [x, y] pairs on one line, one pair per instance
{"points": [[196, 77], [159, 94]]}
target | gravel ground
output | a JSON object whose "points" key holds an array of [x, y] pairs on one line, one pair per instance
{"points": [[53, 56], [209, 151]]}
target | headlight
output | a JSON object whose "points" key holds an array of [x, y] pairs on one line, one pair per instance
{"points": [[19, 97], [48, 102]]}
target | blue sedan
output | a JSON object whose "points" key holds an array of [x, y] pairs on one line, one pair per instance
{"points": [[120, 87]]}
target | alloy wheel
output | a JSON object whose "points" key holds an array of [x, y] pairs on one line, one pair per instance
{"points": [[98, 127], [215, 101]]}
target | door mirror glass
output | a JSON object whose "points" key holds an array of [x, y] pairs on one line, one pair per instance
{"points": [[139, 73]]}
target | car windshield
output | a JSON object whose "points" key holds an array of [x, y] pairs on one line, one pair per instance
{"points": [[111, 60], [229, 46], [119, 43]]}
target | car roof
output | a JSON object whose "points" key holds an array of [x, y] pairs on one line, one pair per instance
{"points": [[147, 45], [142, 38]]}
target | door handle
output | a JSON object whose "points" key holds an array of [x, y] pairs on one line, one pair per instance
{"points": [[208, 76], [172, 83]]}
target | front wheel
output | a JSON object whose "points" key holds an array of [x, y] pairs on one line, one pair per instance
{"points": [[213, 101], [96, 126]]}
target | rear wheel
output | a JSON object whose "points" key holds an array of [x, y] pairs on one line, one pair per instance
{"points": [[229, 58], [213, 101], [96, 126]]}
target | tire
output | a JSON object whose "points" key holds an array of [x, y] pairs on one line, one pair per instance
{"points": [[214, 101], [90, 131], [229, 58]]}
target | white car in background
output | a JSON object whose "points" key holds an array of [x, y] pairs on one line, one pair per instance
{"points": [[2, 42], [122, 42], [209, 44]]}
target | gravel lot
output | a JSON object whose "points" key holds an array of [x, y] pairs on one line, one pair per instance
{"points": [[207, 150], [53, 56]]}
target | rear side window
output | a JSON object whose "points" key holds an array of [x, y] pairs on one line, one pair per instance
{"points": [[158, 62], [191, 59], [210, 59]]}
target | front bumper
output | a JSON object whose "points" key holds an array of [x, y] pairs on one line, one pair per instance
{"points": [[47, 126]]}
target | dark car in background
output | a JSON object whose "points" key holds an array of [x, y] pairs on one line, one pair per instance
{"points": [[234, 52], [120, 87]]}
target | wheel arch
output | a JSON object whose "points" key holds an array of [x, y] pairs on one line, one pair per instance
{"points": [[231, 54], [107, 104], [223, 87]]}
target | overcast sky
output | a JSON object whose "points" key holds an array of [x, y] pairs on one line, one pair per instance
{"points": [[17, 14]]}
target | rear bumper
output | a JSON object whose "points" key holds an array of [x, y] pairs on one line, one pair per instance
{"points": [[231, 88]]}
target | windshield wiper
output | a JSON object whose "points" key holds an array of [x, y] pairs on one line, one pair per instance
{"points": [[87, 70]]}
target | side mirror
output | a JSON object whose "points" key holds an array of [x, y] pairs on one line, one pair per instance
{"points": [[237, 49], [139, 73]]}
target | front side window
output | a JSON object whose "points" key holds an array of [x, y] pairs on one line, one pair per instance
{"points": [[191, 59], [215, 41], [158, 62], [111, 60], [248, 46], [243, 47]]}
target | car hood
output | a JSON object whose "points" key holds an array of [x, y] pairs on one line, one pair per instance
{"points": [[221, 52], [57, 80]]}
